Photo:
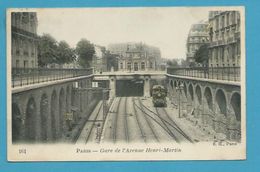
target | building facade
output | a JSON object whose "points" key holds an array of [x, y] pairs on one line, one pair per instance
{"points": [[99, 60], [24, 39], [224, 31], [198, 35], [136, 56]]}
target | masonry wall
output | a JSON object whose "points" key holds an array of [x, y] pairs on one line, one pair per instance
{"points": [[42, 115], [217, 105]]}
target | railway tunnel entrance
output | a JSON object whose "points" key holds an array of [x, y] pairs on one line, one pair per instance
{"points": [[130, 88]]}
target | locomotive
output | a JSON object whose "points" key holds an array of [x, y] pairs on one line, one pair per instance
{"points": [[159, 94]]}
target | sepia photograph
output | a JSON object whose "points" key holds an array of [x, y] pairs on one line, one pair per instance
{"points": [[115, 84]]}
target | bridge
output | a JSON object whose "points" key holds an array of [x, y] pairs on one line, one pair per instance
{"points": [[60, 105]]}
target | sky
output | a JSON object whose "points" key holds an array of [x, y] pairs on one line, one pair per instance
{"points": [[166, 28]]}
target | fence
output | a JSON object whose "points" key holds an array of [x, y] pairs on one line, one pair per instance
{"points": [[28, 76], [219, 73]]}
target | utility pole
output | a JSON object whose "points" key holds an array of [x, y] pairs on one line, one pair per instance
{"points": [[179, 89], [104, 90]]}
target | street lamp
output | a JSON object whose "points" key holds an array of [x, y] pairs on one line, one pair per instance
{"points": [[179, 89]]}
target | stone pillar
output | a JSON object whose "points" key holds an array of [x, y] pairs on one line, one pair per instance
{"points": [[233, 126], [219, 122], [38, 119], [112, 86], [48, 118], [147, 86]]}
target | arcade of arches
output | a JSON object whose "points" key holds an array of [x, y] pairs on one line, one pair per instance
{"points": [[41, 115], [214, 105]]}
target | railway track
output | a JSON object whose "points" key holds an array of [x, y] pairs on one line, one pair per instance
{"points": [[125, 121], [176, 126], [167, 124], [114, 133], [93, 124], [167, 127], [148, 122], [153, 118], [138, 122]]}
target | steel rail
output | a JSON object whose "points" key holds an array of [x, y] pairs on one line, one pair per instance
{"points": [[138, 122], [92, 125]]}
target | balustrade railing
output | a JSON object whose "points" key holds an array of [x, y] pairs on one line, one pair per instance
{"points": [[28, 76], [219, 73]]}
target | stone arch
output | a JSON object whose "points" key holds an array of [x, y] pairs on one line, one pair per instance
{"points": [[178, 83], [235, 102], [221, 101], [198, 94], [175, 84], [44, 114], [16, 122], [62, 110], [191, 92], [73, 98], [209, 98], [171, 84], [68, 98], [30, 120], [185, 89], [54, 114]]}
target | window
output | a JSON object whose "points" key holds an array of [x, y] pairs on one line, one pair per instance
{"points": [[233, 17], [228, 52], [223, 21], [227, 18], [233, 52], [222, 53], [238, 48], [151, 64], [142, 65], [217, 24], [17, 63], [25, 64], [217, 53], [32, 62], [135, 66], [128, 66], [121, 65]]}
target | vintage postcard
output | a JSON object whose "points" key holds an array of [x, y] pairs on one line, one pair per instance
{"points": [[117, 84]]}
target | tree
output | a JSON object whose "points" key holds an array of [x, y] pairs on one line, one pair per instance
{"points": [[111, 60], [184, 63], [172, 63], [85, 51], [65, 54], [47, 50], [202, 55]]}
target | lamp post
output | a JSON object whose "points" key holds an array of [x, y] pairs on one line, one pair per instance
{"points": [[179, 89]]}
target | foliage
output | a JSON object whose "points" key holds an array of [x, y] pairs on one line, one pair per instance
{"points": [[184, 63], [172, 63], [201, 55], [47, 50], [65, 54], [112, 61], [53, 52], [85, 51]]}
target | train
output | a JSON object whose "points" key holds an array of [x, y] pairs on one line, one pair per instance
{"points": [[159, 94]]}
